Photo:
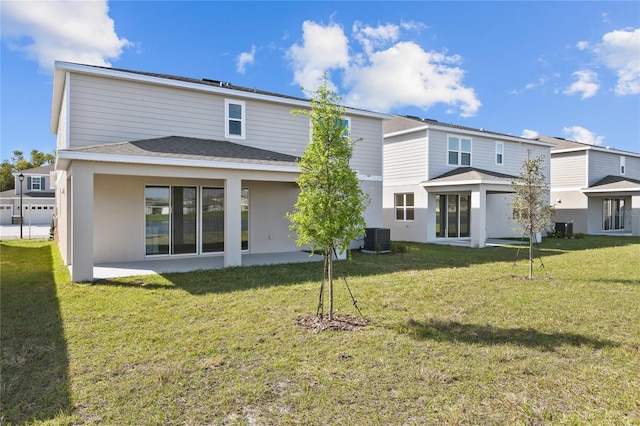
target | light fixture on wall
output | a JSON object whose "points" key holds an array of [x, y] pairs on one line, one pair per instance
{"points": [[558, 201]]}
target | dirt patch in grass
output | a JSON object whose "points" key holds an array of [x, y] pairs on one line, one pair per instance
{"points": [[338, 323]]}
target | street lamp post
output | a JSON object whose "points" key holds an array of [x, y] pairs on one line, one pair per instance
{"points": [[21, 178]]}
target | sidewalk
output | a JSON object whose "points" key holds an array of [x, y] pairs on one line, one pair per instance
{"points": [[12, 232]]}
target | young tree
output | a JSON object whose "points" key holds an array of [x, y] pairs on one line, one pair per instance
{"points": [[532, 212], [328, 213]]}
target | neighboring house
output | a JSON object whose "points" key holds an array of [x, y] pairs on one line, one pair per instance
{"points": [[595, 188], [158, 166], [38, 198], [448, 183]]}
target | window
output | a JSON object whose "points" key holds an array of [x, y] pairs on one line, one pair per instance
{"points": [[622, 166], [404, 207], [35, 183], [234, 126], [459, 151], [346, 122], [176, 225], [453, 218], [613, 214], [499, 153]]}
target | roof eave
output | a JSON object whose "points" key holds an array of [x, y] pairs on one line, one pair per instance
{"points": [[65, 157]]}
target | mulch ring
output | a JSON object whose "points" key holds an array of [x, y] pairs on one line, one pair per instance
{"points": [[339, 323]]}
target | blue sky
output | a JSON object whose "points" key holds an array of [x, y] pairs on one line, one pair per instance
{"points": [[567, 69]]}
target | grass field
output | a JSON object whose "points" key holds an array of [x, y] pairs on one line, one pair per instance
{"points": [[455, 336]]}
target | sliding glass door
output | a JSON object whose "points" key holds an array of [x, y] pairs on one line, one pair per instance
{"points": [[453, 218], [612, 214], [176, 225]]}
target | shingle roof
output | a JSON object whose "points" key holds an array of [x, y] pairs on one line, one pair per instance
{"points": [[192, 148], [42, 170], [616, 183], [471, 173], [562, 144], [399, 123]]}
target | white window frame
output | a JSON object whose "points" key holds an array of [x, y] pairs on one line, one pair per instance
{"points": [[242, 119], [347, 119], [404, 207], [622, 165], [32, 179], [459, 151], [499, 153]]}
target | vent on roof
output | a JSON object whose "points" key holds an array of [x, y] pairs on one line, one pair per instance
{"points": [[217, 82]]}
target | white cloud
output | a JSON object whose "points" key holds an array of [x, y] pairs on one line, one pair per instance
{"points": [[387, 74], [580, 134], [587, 84], [620, 51], [581, 45], [74, 31], [529, 134], [245, 58], [323, 48]]}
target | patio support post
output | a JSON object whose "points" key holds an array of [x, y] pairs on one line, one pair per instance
{"points": [[635, 215], [478, 217], [81, 224], [232, 222]]}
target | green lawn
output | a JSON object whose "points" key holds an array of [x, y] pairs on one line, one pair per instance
{"points": [[455, 336]]}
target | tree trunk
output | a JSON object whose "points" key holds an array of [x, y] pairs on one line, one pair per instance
{"points": [[330, 273], [531, 236]]}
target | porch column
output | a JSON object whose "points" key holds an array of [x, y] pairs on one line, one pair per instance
{"points": [[635, 215], [81, 224], [478, 217], [232, 222], [431, 216]]}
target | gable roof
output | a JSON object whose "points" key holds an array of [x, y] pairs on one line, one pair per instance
{"points": [[208, 85], [181, 148], [565, 145], [42, 170], [408, 123], [472, 173]]}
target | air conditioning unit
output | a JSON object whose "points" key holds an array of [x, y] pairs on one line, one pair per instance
{"points": [[377, 240]]}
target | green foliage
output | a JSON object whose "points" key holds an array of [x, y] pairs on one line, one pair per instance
{"points": [[532, 212], [328, 212], [18, 162]]}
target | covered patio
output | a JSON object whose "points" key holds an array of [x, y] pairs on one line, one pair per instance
{"points": [[104, 271]]}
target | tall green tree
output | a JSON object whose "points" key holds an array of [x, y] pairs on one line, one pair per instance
{"points": [[532, 211], [18, 162], [328, 213]]}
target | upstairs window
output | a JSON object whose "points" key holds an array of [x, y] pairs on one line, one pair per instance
{"points": [[459, 151], [35, 183], [499, 153], [404, 206], [622, 167], [234, 125]]}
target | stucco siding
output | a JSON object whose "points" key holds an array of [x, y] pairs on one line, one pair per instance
{"points": [[409, 230], [405, 159], [500, 222]]}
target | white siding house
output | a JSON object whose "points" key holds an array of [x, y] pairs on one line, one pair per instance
{"points": [[448, 183], [37, 202], [596, 189], [156, 166]]}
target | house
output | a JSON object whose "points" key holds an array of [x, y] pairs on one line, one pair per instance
{"points": [[37, 198], [157, 166], [449, 183], [595, 188]]}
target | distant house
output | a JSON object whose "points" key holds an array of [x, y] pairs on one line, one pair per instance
{"points": [[158, 166], [38, 198], [448, 183], [595, 188]]}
